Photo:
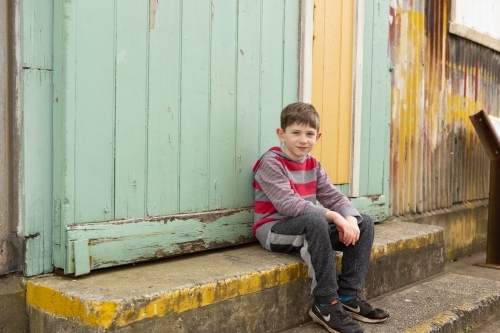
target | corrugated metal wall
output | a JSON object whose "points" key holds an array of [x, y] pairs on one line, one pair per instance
{"points": [[438, 81]]}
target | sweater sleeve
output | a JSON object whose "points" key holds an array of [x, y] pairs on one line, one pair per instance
{"points": [[275, 183], [331, 197]]}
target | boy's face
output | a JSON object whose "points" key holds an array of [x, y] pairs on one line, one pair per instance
{"points": [[298, 140]]}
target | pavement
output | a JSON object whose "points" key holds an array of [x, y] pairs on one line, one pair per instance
{"points": [[449, 302], [467, 266]]}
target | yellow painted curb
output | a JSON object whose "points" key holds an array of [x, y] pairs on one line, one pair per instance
{"points": [[426, 326], [108, 314], [94, 313], [379, 251]]}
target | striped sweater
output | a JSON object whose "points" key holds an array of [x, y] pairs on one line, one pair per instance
{"points": [[285, 188]]}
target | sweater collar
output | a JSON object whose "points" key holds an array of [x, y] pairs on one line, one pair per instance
{"points": [[277, 150]]}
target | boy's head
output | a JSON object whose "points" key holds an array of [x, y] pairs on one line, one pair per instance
{"points": [[299, 130], [299, 113]]}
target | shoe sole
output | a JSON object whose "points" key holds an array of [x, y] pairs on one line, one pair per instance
{"points": [[359, 317], [321, 322]]}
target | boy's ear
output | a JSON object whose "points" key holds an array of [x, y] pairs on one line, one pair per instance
{"points": [[281, 134], [318, 136]]}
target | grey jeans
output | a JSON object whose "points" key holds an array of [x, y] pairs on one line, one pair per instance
{"points": [[315, 237]]}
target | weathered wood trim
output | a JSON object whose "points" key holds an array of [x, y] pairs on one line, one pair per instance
{"points": [[456, 27], [306, 47], [36, 105], [475, 36], [82, 256], [63, 126], [376, 206], [120, 242], [357, 97]]}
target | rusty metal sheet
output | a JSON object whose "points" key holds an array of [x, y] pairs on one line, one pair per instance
{"points": [[438, 81]]}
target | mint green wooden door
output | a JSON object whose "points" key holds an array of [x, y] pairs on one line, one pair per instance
{"points": [[160, 110]]}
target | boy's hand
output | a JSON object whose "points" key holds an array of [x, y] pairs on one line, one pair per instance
{"points": [[347, 227]]}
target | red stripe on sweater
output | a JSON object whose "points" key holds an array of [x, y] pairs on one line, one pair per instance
{"points": [[256, 185], [306, 188], [264, 207]]}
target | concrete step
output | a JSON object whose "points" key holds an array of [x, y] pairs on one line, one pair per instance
{"points": [[244, 289], [487, 326], [448, 302]]}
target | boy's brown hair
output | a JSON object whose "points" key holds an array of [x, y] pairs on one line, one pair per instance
{"points": [[300, 113]]}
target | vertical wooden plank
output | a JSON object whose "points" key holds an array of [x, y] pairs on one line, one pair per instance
{"points": [[34, 255], [376, 98], [95, 111], [82, 256], [196, 30], [37, 35], [248, 98], [367, 92], [271, 75], [291, 51], [306, 20], [318, 75], [386, 118], [357, 98], [37, 170], [164, 110], [331, 83], [345, 107], [64, 109], [222, 105], [132, 26], [379, 101]]}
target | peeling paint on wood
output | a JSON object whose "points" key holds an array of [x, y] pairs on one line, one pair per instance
{"points": [[153, 7], [205, 217], [123, 242]]}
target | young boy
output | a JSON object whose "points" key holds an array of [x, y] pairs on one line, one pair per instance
{"points": [[287, 182]]}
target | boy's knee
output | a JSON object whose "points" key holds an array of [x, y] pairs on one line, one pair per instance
{"points": [[317, 220], [367, 219], [367, 224]]}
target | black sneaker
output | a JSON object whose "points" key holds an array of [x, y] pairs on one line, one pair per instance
{"points": [[361, 310], [334, 318]]}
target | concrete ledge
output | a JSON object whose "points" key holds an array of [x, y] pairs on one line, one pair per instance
{"points": [[245, 287], [465, 227], [402, 253], [13, 317]]}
